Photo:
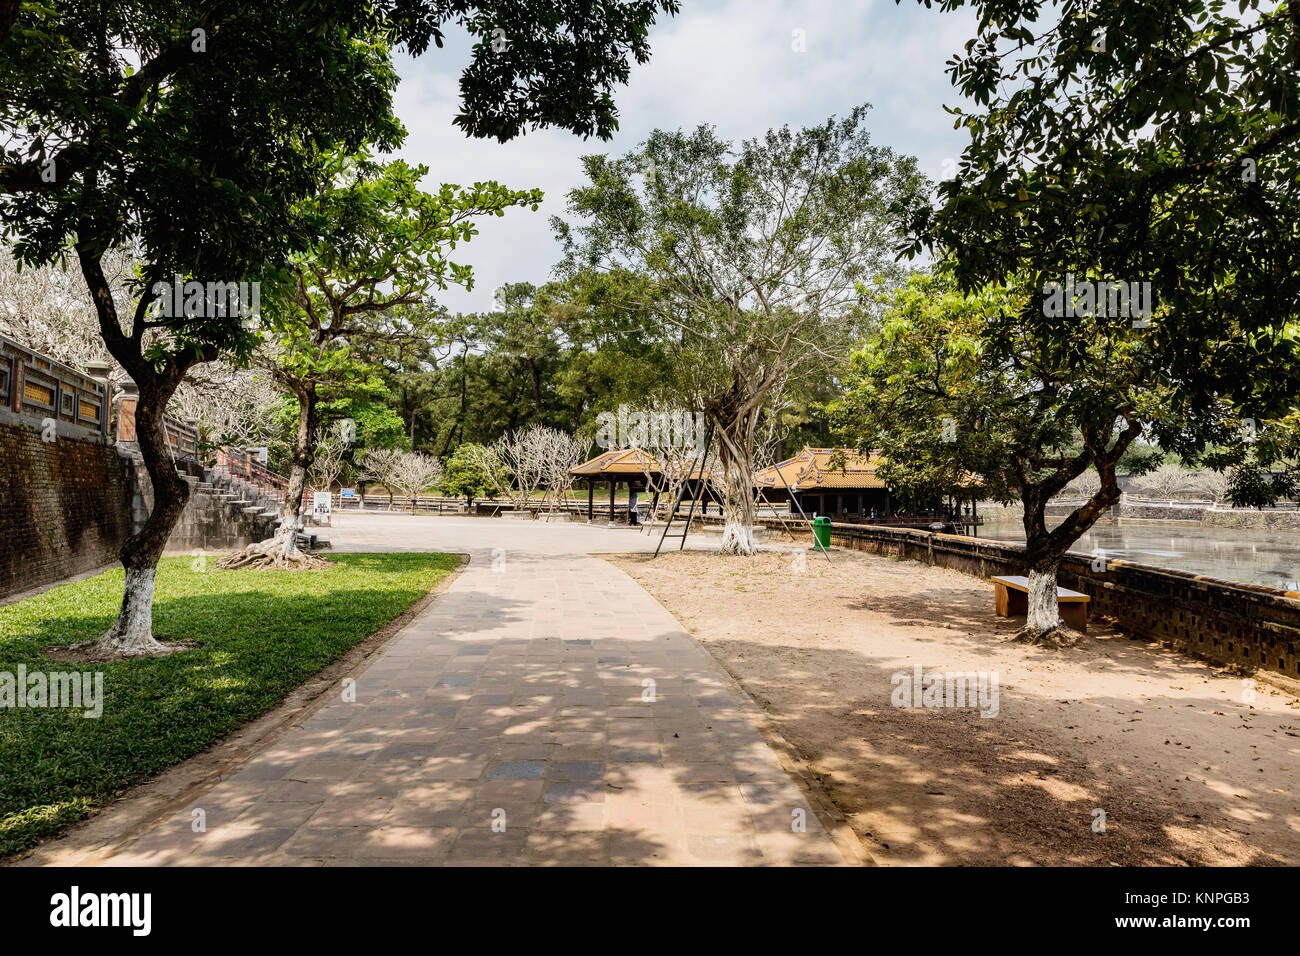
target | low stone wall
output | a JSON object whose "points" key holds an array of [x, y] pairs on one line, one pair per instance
{"points": [[1202, 511], [1224, 622], [1280, 519], [1162, 509]]}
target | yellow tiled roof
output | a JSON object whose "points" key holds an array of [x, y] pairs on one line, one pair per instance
{"points": [[809, 470], [620, 461], [812, 468]]}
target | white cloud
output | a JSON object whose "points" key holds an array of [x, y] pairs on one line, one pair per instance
{"points": [[726, 62]]}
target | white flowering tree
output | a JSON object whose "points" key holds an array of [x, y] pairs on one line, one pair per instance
{"points": [[411, 472], [556, 453], [523, 463], [331, 457], [379, 465]]}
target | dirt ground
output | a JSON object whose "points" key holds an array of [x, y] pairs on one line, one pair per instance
{"points": [[1191, 765]]}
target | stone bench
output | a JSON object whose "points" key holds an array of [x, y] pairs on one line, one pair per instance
{"points": [[1011, 597]]}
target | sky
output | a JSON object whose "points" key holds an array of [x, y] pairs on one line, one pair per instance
{"points": [[729, 63]]}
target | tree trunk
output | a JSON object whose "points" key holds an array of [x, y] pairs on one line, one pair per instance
{"points": [[132, 634], [281, 549], [738, 513], [1044, 613], [1042, 557], [303, 453]]}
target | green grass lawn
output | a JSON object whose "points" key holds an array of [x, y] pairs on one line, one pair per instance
{"points": [[262, 633]]}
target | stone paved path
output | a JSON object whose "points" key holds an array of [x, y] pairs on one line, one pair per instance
{"points": [[543, 710]]}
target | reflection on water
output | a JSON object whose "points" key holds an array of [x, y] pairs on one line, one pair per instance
{"points": [[1270, 558]]}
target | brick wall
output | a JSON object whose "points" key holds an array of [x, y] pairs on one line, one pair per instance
{"points": [[68, 505], [64, 505]]}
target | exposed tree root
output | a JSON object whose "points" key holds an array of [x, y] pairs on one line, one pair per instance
{"points": [[1059, 636], [272, 555], [738, 539], [95, 652]]}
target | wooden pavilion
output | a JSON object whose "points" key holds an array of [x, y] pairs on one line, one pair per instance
{"points": [[854, 492], [623, 466]]}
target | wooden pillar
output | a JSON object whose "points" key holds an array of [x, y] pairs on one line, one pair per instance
{"points": [[18, 384], [591, 495], [654, 505], [612, 483], [126, 403]]}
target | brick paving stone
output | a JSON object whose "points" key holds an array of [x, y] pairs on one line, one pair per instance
{"points": [[518, 770], [566, 791], [352, 812], [417, 844], [581, 770], [487, 846], [635, 755], [241, 841], [587, 848], [275, 815], [510, 791]]}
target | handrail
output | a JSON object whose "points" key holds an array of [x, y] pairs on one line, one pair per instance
{"points": [[37, 385]]}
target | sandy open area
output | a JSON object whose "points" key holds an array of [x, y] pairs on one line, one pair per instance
{"points": [[1191, 765]]}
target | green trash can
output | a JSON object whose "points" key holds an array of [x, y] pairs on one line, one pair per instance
{"points": [[822, 530]]}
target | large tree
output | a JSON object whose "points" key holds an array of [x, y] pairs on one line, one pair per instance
{"points": [[361, 289], [981, 387], [1132, 172], [157, 127], [748, 261], [190, 131], [548, 355], [957, 388]]}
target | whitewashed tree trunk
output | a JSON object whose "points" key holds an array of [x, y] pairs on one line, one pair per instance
{"points": [[738, 512], [285, 539], [132, 634], [1044, 613]]}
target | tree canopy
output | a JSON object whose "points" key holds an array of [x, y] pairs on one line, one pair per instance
{"points": [[749, 262]]}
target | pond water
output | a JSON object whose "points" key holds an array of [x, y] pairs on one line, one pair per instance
{"points": [[1270, 558]]}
